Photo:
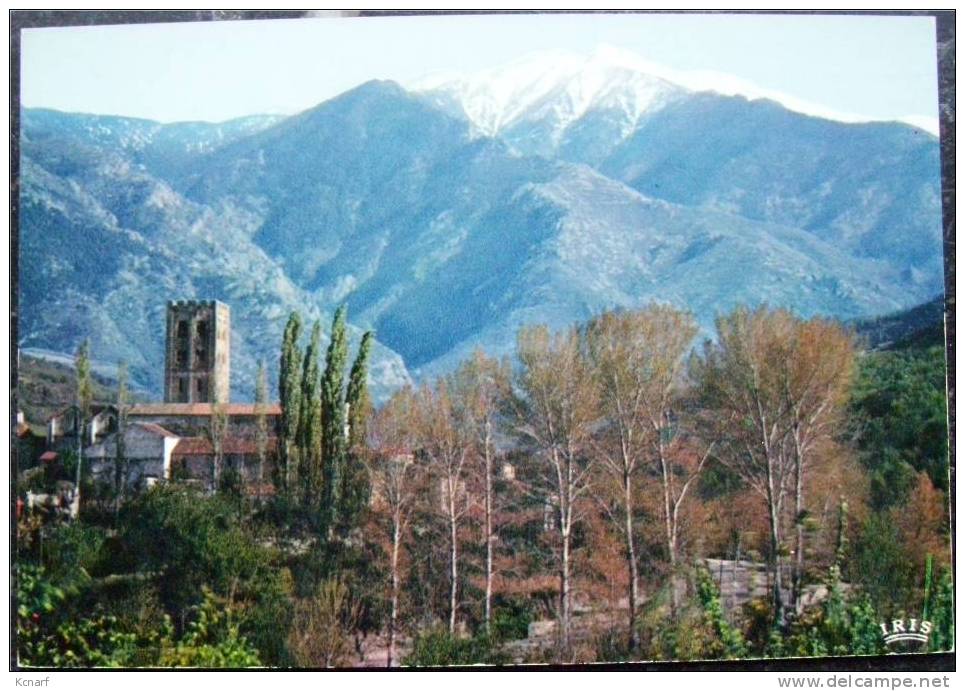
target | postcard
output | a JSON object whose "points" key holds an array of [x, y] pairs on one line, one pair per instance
{"points": [[495, 339]]}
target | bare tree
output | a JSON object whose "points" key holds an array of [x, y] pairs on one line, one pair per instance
{"points": [[322, 626], [742, 378], [395, 482], [681, 458], [443, 441], [480, 387], [816, 385], [555, 414], [637, 359]]}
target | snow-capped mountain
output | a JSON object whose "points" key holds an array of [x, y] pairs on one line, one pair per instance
{"points": [[554, 89], [563, 188], [563, 86]]}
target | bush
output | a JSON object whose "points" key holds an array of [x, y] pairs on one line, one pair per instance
{"points": [[49, 634], [438, 647], [72, 551], [837, 627], [511, 619], [731, 640], [212, 639], [186, 542]]}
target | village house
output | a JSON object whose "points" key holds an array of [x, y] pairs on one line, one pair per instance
{"points": [[173, 440]]}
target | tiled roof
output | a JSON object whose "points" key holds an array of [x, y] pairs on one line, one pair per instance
{"points": [[154, 429], [201, 446], [95, 409], [199, 409]]}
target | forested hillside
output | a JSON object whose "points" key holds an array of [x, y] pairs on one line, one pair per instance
{"points": [[559, 508]]}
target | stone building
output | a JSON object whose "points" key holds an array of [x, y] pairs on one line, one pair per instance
{"points": [[192, 419], [197, 356], [62, 428], [193, 459], [172, 440], [147, 453]]}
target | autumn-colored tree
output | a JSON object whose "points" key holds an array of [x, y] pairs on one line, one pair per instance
{"points": [[480, 387], [322, 626], [924, 524], [816, 379], [637, 358], [742, 382], [395, 481], [446, 446], [555, 415]]}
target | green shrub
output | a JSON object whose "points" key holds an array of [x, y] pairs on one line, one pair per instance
{"points": [[511, 619], [439, 648]]}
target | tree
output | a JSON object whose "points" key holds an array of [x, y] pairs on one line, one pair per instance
{"points": [[217, 433], [187, 543], [85, 396], [395, 482], [333, 419], [481, 386], [355, 489], [555, 414], [742, 382], [637, 359], [120, 453], [941, 611], [290, 391], [261, 419], [357, 397], [443, 441], [322, 629], [899, 411], [310, 423], [817, 380]]}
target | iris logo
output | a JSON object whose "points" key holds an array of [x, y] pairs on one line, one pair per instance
{"points": [[906, 630]]}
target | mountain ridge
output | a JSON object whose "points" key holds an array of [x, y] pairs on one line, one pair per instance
{"points": [[441, 240]]}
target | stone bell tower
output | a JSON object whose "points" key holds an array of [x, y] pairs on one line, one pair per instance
{"points": [[197, 357]]}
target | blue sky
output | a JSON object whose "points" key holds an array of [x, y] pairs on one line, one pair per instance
{"points": [[867, 67]]}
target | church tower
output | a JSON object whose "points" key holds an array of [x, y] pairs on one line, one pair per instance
{"points": [[197, 356]]}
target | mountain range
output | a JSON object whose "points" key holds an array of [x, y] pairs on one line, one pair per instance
{"points": [[449, 213]]}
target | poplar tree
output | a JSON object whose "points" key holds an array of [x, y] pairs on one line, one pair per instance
{"points": [[555, 415], [355, 483], [333, 418], [85, 397], [357, 396], [290, 391], [310, 421], [120, 455], [261, 420]]}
